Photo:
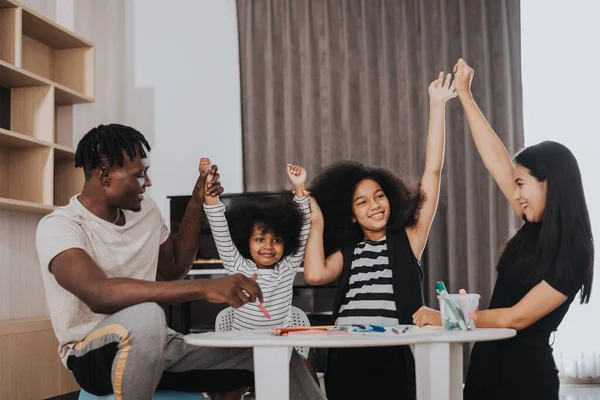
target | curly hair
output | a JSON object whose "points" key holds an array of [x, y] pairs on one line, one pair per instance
{"points": [[334, 187], [279, 217]]}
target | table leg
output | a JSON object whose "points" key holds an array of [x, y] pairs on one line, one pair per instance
{"points": [[439, 371], [272, 373]]}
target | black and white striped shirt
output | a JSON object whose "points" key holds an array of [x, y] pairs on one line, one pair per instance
{"points": [[276, 284], [370, 295]]}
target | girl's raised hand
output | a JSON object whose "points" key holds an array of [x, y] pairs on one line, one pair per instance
{"points": [[440, 90], [297, 176], [205, 170], [209, 178], [463, 76]]}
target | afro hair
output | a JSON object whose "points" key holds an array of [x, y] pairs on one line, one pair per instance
{"points": [[280, 217], [334, 187]]}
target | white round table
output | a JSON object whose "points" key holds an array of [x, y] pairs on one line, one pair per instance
{"points": [[438, 355]]}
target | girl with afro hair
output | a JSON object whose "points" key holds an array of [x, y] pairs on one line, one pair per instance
{"points": [[368, 230], [265, 240]]}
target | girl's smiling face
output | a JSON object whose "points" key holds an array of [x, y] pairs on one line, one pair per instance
{"points": [[265, 248], [371, 209]]}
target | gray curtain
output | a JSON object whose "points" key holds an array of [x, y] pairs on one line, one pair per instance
{"points": [[327, 80]]}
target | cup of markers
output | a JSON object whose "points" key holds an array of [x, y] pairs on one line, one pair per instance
{"points": [[459, 311]]}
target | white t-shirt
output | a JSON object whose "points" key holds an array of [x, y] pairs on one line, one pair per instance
{"points": [[128, 251]]}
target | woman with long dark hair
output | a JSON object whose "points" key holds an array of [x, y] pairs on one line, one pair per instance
{"points": [[542, 268]]}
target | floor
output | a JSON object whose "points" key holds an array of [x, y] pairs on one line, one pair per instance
{"points": [[580, 392], [567, 392]]}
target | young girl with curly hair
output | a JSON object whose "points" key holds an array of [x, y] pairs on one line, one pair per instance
{"points": [[369, 229], [266, 240]]}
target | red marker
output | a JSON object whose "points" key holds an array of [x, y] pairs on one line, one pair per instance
{"points": [[264, 310]]}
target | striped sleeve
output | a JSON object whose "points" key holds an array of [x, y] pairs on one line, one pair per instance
{"points": [[295, 260], [230, 256]]}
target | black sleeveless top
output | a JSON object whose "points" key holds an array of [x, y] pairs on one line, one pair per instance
{"points": [[379, 372], [407, 277]]}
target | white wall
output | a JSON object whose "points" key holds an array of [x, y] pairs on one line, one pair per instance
{"points": [[561, 103], [183, 90]]}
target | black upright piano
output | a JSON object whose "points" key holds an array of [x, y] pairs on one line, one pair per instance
{"points": [[199, 316]]}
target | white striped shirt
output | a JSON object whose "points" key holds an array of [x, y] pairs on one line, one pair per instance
{"points": [[276, 283], [370, 295]]}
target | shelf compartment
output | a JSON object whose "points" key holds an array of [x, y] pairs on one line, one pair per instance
{"points": [[26, 174], [32, 112], [10, 34], [63, 126], [68, 180], [14, 77], [54, 53]]}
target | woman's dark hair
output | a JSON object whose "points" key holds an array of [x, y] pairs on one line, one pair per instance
{"points": [[565, 237], [278, 217], [334, 187]]}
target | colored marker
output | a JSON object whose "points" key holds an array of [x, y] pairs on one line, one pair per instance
{"points": [[264, 310]]}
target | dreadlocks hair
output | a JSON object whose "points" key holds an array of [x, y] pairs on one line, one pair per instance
{"points": [[334, 187], [278, 217], [103, 146]]}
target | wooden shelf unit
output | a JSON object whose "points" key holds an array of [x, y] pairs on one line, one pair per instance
{"points": [[42, 67]]}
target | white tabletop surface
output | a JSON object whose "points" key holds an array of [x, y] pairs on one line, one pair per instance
{"points": [[263, 338]]}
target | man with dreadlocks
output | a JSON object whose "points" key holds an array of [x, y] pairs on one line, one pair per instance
{"points": [[100, 256]]}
